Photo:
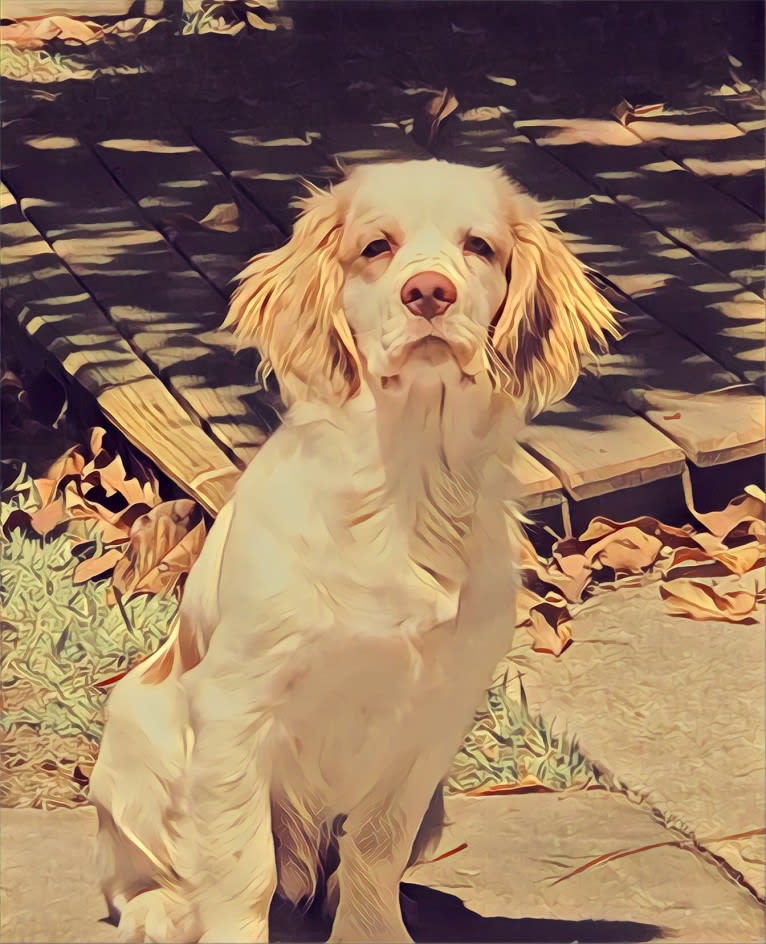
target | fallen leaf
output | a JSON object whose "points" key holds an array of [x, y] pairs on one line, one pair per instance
{"points": [[527, 784], [627, 550], [439, 108], [549, 624], [34, 32], [690, 561], [97, 566], [673, 537], [224, 217], [742, 509], [163, 545], [697, 601], [49, 517], [571, 571]]}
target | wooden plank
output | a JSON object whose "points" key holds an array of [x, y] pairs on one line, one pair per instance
{"points": [[51, 307], [539, 487], [713, 148], [697, 404], [595, 445], [363, 144], [168, 312], [190, 201], [654, 370], [269, 169], [711, 225], [669, 283], [735, 166]]}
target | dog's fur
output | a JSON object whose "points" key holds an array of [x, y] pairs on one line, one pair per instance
{"points": [[357, 591]]}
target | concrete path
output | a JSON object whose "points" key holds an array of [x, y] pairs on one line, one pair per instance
{"points": [[672, 709], [499, 888], [519, 846]]}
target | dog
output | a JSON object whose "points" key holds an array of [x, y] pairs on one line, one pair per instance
{"points": [[356, 593]]}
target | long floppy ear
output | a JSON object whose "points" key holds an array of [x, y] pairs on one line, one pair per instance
{"points": [[288, 305], [552, 316]]}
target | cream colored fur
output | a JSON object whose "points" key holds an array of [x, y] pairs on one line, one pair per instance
{"points": [[357, 591]]}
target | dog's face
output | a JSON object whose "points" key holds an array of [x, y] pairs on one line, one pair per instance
{"points": [[421, 265], [425, 251]]}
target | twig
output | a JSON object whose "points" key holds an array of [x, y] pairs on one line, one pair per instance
{"points": [[622, 853]]}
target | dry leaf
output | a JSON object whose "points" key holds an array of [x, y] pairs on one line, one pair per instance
{"points": [[97, 566], [45, 519], [34, 32], [742, 509], [628, 550], [549, 624], [224, 217], [164, 543], [673, 537], [691, 561], [439, 108], [527, 784], [571, 571], [697, 601]]}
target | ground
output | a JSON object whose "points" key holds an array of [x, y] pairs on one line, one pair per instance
{"points": [[140, 172]]}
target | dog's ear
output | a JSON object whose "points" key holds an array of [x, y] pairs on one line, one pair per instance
{"points": [[288, 305], [551, 317]]}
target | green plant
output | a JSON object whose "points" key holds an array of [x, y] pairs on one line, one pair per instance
{"points": [[509, 749]]}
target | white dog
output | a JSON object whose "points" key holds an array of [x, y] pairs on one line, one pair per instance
{"points": [[356, 592]]}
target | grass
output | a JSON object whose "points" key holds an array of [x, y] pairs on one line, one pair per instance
{"points": [[59, 640], [509, 749]]}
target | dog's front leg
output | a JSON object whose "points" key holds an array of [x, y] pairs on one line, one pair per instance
{"points": [[224, 848], [375, 845]]}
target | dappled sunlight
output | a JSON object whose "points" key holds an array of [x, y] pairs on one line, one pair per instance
{"points": [[597, 131], [724, 168], [139, 144], [86, 252], [251, 140], [652, 131], [266, 175], [661, 167], [641, 284], [753, 242], [50, 142]]}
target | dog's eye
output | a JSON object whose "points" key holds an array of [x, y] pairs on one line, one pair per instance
{"points": [[376, 248], [479, 247]]}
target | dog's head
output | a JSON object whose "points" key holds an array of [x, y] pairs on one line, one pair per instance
{"points": [[421, 262]]}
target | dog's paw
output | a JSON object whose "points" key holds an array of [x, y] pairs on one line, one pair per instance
{"points": [[158, 916]]}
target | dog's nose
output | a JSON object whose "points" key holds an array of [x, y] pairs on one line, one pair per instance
{"points": [[428, 294]]}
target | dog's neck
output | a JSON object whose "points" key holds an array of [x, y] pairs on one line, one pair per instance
{"points": [[421, 456]]}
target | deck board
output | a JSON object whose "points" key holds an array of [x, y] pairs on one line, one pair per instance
{"points": [[697, 404], [160, 222], [51, 306], [694, 214], [191, 202], [270, 169], [668, 282], [167, 311], [595, 445]]}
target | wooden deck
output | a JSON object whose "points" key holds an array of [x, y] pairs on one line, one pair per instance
{"points": [[123, 277]]}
